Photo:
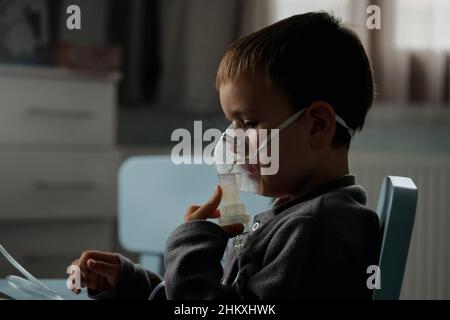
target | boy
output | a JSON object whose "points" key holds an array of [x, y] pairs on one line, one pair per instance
{"points": [[318, 239]]}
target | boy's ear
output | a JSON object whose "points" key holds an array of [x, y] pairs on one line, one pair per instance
{"points": [[323, 123]]}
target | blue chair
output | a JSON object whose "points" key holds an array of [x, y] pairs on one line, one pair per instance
{"points": [[153, 196], [396, 211]]}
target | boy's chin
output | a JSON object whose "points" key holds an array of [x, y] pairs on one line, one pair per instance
{"points": [[274, 187], [267, 188]]}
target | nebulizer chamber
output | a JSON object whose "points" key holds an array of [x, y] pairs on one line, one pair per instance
{"points": [[232, 210]]}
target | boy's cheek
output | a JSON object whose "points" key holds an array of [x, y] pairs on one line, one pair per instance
{"points": [[293, 167], [293, 164]]}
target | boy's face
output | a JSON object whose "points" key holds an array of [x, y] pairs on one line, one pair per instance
{"points": [[252, 101]]}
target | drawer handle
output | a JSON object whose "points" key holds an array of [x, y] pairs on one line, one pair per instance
{"points": [[57, 113], [65, 185]]}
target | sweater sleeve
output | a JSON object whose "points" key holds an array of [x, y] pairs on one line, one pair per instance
{"points": [[134, 283], [193, 262]]}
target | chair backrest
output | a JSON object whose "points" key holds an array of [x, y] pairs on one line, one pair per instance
{"points": [[153, 196], [396, 211]]}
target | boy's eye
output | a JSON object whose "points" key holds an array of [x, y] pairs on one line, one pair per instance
{"points": [[250, 124]]}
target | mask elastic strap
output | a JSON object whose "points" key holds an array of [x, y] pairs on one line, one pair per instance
{"points": [[291, 119], [296, 115], [342, 123], [282, 126]]}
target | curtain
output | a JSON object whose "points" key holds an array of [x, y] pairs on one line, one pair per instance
{"points": [[134, 26], [411, 51], [195, 34], [172, 48]]}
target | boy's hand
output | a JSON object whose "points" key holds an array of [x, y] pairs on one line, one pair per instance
{"points": [[99, 270], [209, 211]]}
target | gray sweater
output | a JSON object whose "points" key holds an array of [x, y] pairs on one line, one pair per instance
{"points": [[317, 246]]}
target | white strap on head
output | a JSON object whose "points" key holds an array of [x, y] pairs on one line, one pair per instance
{"points": [[296, 115], [291, 119], [282, 126], [342, 123]]}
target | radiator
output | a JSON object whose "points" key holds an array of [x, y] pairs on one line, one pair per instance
{"points": [[427, 274]]}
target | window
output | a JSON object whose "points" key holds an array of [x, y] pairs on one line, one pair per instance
{"points": [[422, 24], [281, 9]]}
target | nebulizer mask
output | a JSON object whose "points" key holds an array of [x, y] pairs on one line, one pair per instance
{"points": [[236, 158]]}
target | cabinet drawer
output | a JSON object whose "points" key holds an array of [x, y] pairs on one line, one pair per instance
{"points": [[57, 184], [47, 249], [34, 110]]}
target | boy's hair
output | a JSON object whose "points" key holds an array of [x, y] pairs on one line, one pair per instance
{"points": [[310, 57]]}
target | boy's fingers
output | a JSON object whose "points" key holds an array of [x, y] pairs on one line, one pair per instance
{"points": [[107, 270], [208, 209], [216, 214], [88, 282], [97, 255], [233, 230], [190, 211], [95, 281], [99, 267]]}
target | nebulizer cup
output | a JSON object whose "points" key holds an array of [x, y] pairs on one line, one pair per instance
{"points": [[232, 210]]}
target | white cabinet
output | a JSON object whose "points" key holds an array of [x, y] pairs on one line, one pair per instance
{"points": [[57, 183], [58, 165], [44, 106]]}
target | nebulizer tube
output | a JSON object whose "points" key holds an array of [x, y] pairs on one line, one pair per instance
{"points": [[232, 210]]}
